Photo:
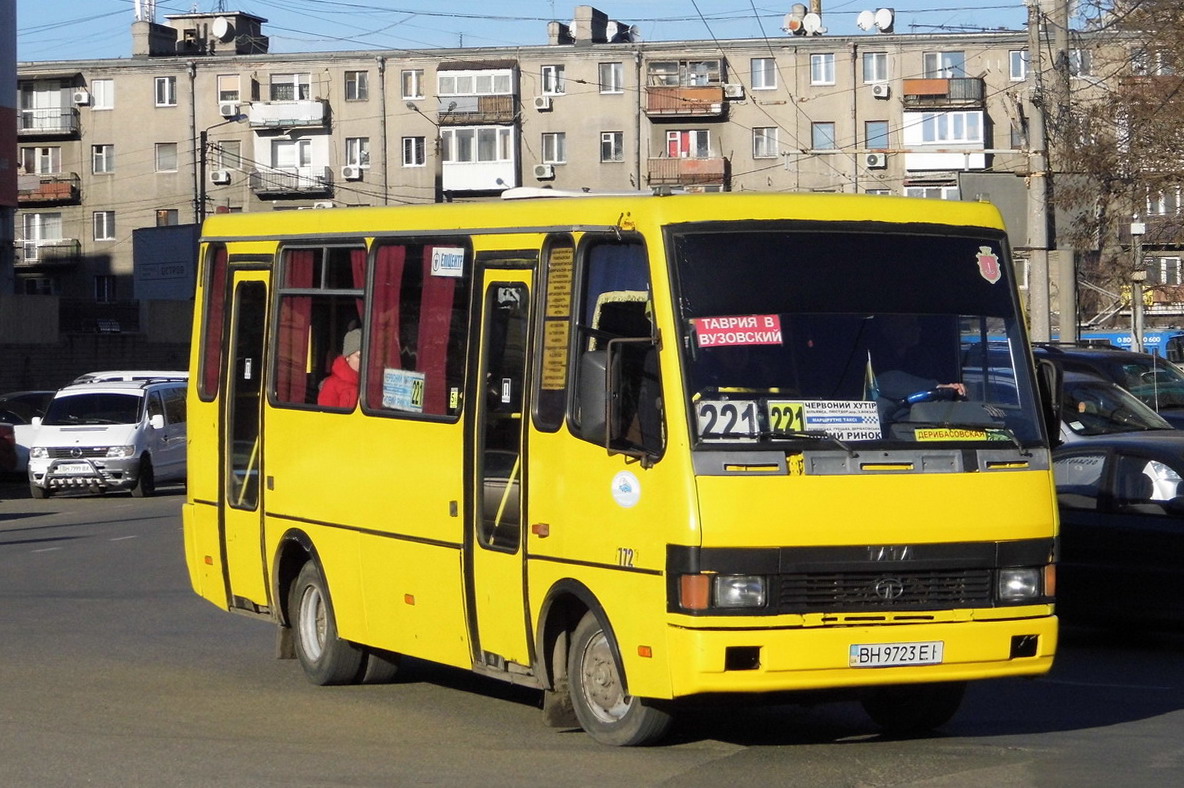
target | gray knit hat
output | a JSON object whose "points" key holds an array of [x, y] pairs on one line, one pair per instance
{"points": [[352, 342]]}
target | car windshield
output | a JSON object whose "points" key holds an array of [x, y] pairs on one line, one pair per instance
{"points": [[94, 408], [1101, 408], [1157, 382], [854, 336]]}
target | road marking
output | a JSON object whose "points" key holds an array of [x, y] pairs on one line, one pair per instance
{"points": [[45, 549], [121, 538]]}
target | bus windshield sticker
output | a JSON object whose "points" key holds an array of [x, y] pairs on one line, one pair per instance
{"points": [[848, 420], [448, 261], [738, 330], [402, 389], [958, 434], [729, 420], [988, 264]]}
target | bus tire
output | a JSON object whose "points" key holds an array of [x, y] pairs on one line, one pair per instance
{"points": [[145, 486], [326, 658], [379, 666], [604, 710], [905, 709]]}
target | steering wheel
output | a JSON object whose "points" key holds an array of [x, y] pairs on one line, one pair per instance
{"points": [[932, 395]]}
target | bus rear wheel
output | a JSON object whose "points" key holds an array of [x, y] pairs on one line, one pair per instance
{"points": [[326, 658], [905, 709], [605, 711]]}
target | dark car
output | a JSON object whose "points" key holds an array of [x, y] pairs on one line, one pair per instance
{"points": [[1159, 383], [1121, 551], [35, 402]]}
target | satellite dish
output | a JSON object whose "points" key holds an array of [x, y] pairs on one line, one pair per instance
{"points": [[222, 29], [812, 24], [866, 20], [884, 19], [635, 33]]}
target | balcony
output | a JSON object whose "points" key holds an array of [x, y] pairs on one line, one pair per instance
{"points": [[56, 189], [282, 182], [683, 102], [45, 253], [943, 93], [687, 172], [48, 122], [476, 110], [302, 113]]}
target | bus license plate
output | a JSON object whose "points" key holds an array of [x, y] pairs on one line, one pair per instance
{"points": [[73, 467], [887, 655]]}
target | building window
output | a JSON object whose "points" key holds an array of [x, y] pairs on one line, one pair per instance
{"points": [[875, 134], [555, 147], [932, 192], [357, 151], [875, 67], [415, 151], [1163, 203], [1019, 64], [473, 144], [764, 142], [228, 87], [612, 78], [1168, 271], [1081, 63], [612, 146], [684, 73], [688, 144], [822, 69], [102, 159], [291, 154], [228, 155], [553, 83], [167, 217], [952, 126], [944, 65], [764, 73], [35, 285], [105, 288], [493, 82], [40, 160], [822, 136], [357, 85], [290, 87], [166, 157], [102, 94], [104, 225], [412, 81], [879, 192], [166, 91]]}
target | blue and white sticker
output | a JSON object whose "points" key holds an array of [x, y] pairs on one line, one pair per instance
{"points": [[448, 261], [626, 489]]}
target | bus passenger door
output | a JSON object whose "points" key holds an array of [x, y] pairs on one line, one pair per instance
{"points": [[495, 548], [241, 447]]}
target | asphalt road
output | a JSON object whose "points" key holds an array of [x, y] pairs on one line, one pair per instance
{"points": [[112, 673]]}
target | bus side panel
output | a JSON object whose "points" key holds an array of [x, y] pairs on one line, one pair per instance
{"points": [[203, 553], [395, 487]]}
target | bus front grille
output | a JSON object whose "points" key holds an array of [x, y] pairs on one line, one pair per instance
{"points": [[805, 592]]}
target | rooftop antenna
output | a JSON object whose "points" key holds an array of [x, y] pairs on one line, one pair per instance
{"points": [[145, 10]]}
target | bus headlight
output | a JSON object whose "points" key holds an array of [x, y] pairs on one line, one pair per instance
{"points": [[739, 591], [1019, 584], [120, 451]]}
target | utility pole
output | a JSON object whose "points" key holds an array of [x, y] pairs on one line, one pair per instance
{"points": [[1038, 281], [1058, 100]]}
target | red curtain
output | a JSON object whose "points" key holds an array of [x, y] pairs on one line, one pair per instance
{"points": [[295, 312], [385, 349], [211, 357], [435, 325]]}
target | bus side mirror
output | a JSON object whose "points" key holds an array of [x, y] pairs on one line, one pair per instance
{"points": [[1049, 378], [593, 395]]}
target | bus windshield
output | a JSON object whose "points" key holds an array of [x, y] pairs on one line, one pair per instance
{"points": [[898, 336]]}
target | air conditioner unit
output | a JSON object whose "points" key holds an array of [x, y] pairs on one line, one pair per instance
{"points": [[220, 177], [542, 103], [544, 171], [881, 90], [351, 172], [734, 91], [228, 109], [324, 204], [81, 96], [875, 161]]}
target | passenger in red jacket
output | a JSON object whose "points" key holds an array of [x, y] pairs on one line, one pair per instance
{"points": [[340, 389]]}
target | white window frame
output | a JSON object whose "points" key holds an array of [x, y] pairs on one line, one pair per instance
{"points": [[1018, 64], [102, 159], [46, 159], [415, 151], [478, 82], [228, 154], [822, 68], [294, 154], [102, 94], [947, 64], [874, 67], [1170, 270], [166, 91], [764, 143], [947, 127], [554, 80], [411, 82], [160, 155], [472, 144], [357, 152], [103, 225], [611, 77], [229, 88], [763, 73], [300, 84], [933, 192], [612, 146], [554, 147], [697, 143], [357, 85]]}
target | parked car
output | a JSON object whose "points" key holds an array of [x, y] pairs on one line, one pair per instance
{"points": [[108, 375], [1092, 407], [1156, 381], [34, 401], [112, 436], [7, 449], [1121, 545]]}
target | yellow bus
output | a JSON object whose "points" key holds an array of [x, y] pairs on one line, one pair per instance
{"points": [[629, 449]]}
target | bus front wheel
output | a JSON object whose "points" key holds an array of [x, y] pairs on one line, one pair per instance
{"points": [[326, 658], [605, 711], [905, 709]]}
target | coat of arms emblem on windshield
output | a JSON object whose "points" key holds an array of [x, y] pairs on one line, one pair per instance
{"points": [[988, 264]]}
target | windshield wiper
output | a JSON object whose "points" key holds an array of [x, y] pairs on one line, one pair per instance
{"points": [[817, 435]]}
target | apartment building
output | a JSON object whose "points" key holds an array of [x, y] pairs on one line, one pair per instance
{"points": [[203, 118]]}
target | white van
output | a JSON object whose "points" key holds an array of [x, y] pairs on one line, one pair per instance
{"points": [[110, 436]]}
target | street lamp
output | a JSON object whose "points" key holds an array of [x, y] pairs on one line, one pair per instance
{"points": [[199, 208], [1138, 277], [438, 165]]}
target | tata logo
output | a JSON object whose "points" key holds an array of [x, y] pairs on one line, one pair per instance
{"points": [[894, 552], [889, 588]]}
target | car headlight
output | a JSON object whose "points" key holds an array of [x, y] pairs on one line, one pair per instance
{"points": [[38, 452], [739, 591], [115, 452], [1018, 584]]}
